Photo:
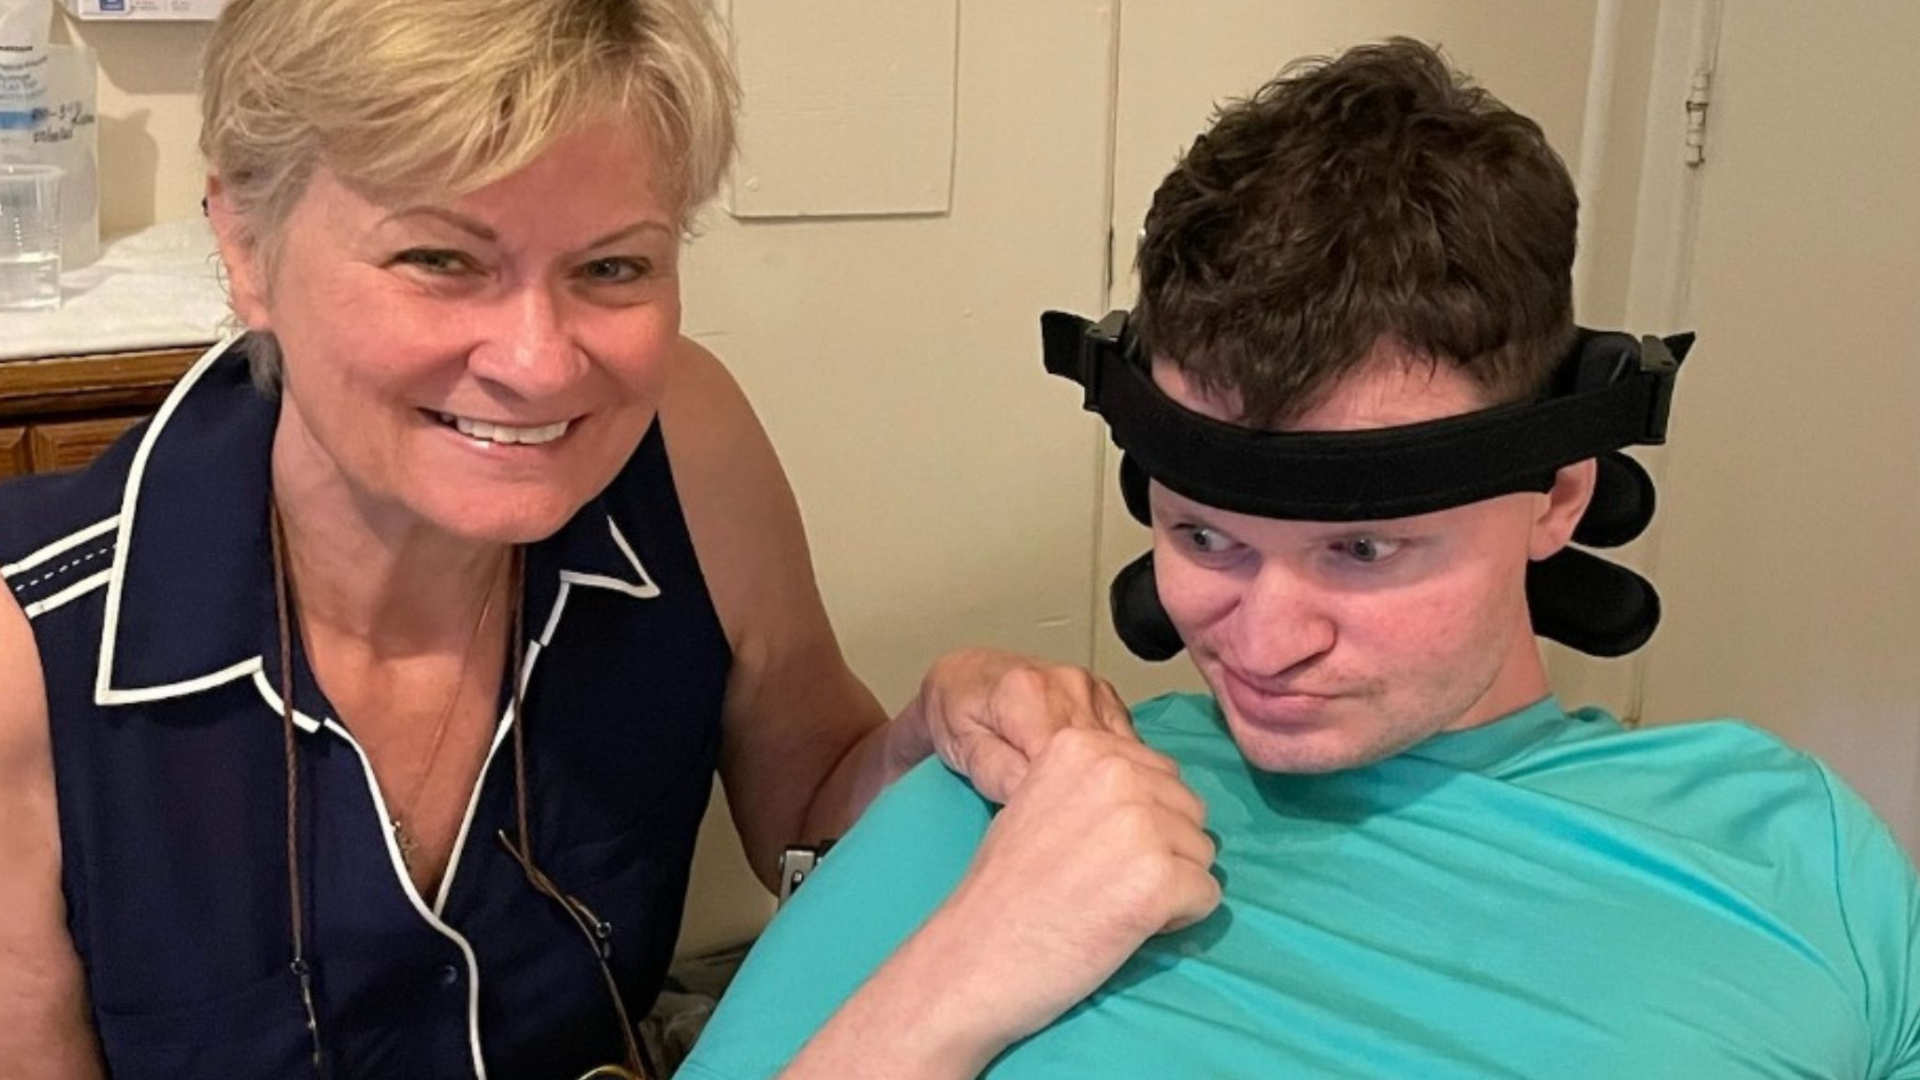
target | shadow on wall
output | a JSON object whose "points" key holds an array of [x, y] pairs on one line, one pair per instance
{"points": [[128, 172], [149, 161], [143, 57]]}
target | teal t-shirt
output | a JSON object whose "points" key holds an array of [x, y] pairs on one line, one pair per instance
{"points": [[1548, 895]]}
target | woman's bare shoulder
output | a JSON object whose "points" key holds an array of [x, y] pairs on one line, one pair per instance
{"points": [[740, 510], [43, 1010], [25, 746]]}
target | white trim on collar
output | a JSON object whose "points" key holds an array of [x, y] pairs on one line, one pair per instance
{"points": [[104, 692], [643, 589], [265, 685], [72, 592], [60, 546], [430, 915]]}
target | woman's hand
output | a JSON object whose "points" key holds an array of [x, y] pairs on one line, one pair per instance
{"points": [[990, 713], [1100, 848]]}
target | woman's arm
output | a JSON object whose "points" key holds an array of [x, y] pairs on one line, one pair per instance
{"points": [[44, 1030], [806, 744], [799, 727]]}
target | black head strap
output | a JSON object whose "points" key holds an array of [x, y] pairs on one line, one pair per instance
{"points": [[1611, 391]]}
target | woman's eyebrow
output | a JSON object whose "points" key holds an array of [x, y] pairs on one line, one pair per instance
{"points": [[459, 221], [635, 229]]}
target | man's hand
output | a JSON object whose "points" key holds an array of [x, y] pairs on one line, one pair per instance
{"points": [[1101, 848], [989, 714]]}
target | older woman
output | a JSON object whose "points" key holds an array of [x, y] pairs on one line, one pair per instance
{"points": [[360, 709]]}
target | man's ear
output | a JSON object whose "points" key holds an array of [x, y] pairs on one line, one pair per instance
{"points": [[1561, 510], [240, 254]]}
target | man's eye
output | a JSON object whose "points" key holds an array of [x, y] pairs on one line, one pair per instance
{"points": [[1369, 549], [619, 271], [1204, 540], [434, 261]]}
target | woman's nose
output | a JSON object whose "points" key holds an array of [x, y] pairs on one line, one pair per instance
{"points": [[530, 348]]}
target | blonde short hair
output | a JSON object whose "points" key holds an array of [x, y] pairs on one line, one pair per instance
{"points": [[443, 97]]}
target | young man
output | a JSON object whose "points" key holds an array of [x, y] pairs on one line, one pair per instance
{"points": [[1366, 430]]}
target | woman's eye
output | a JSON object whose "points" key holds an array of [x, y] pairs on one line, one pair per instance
{"points": [[619, 271], [434, 261], [1369, 549]]}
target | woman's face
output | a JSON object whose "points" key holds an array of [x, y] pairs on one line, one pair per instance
{"points": [[483, 365]]}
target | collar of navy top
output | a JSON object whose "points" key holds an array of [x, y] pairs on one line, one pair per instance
{"points": [[190, 598]]}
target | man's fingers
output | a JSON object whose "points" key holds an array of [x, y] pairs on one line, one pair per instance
{"points": [[1146, 756], [1086, 746], [1174, 796], [1192, 892], [1194, 895], [1138, 774]]}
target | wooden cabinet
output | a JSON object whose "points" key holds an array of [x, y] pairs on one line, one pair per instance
{"points": [[73, 443], [60, 412], [14, 459]]}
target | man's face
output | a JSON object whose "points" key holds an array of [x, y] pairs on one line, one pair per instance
{"points": [[1331, 645]]}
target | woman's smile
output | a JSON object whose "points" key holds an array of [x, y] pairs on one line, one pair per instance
{"points": [[492, 433]]}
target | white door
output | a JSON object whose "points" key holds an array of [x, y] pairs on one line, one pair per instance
{"points": [[1790, 551]]}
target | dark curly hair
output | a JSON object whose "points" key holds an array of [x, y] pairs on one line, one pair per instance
{"points": [[1380, 195]]}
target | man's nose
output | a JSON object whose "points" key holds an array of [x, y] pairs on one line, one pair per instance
{"points": [[1279, 624]]}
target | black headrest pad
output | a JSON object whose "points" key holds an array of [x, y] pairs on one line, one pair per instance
{"points": [[1138, 617], [1587, 603], [1577, 599], [1622, 505]]}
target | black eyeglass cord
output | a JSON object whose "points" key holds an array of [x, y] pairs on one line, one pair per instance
{"points": [[599, 933], [302, 970]]}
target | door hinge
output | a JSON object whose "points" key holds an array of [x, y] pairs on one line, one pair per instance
{"points": [[1699, 98]]}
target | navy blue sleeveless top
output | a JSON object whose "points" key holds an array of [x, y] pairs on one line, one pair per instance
{"points": [[148, 582]]}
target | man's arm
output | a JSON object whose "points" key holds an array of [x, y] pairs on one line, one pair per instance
{"points": [[44, 1029], [1879, 895], [936, 934], [875, 888]]}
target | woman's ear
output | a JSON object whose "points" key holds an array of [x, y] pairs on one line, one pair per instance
{"points": [[240, 254], [1565, 503]]}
